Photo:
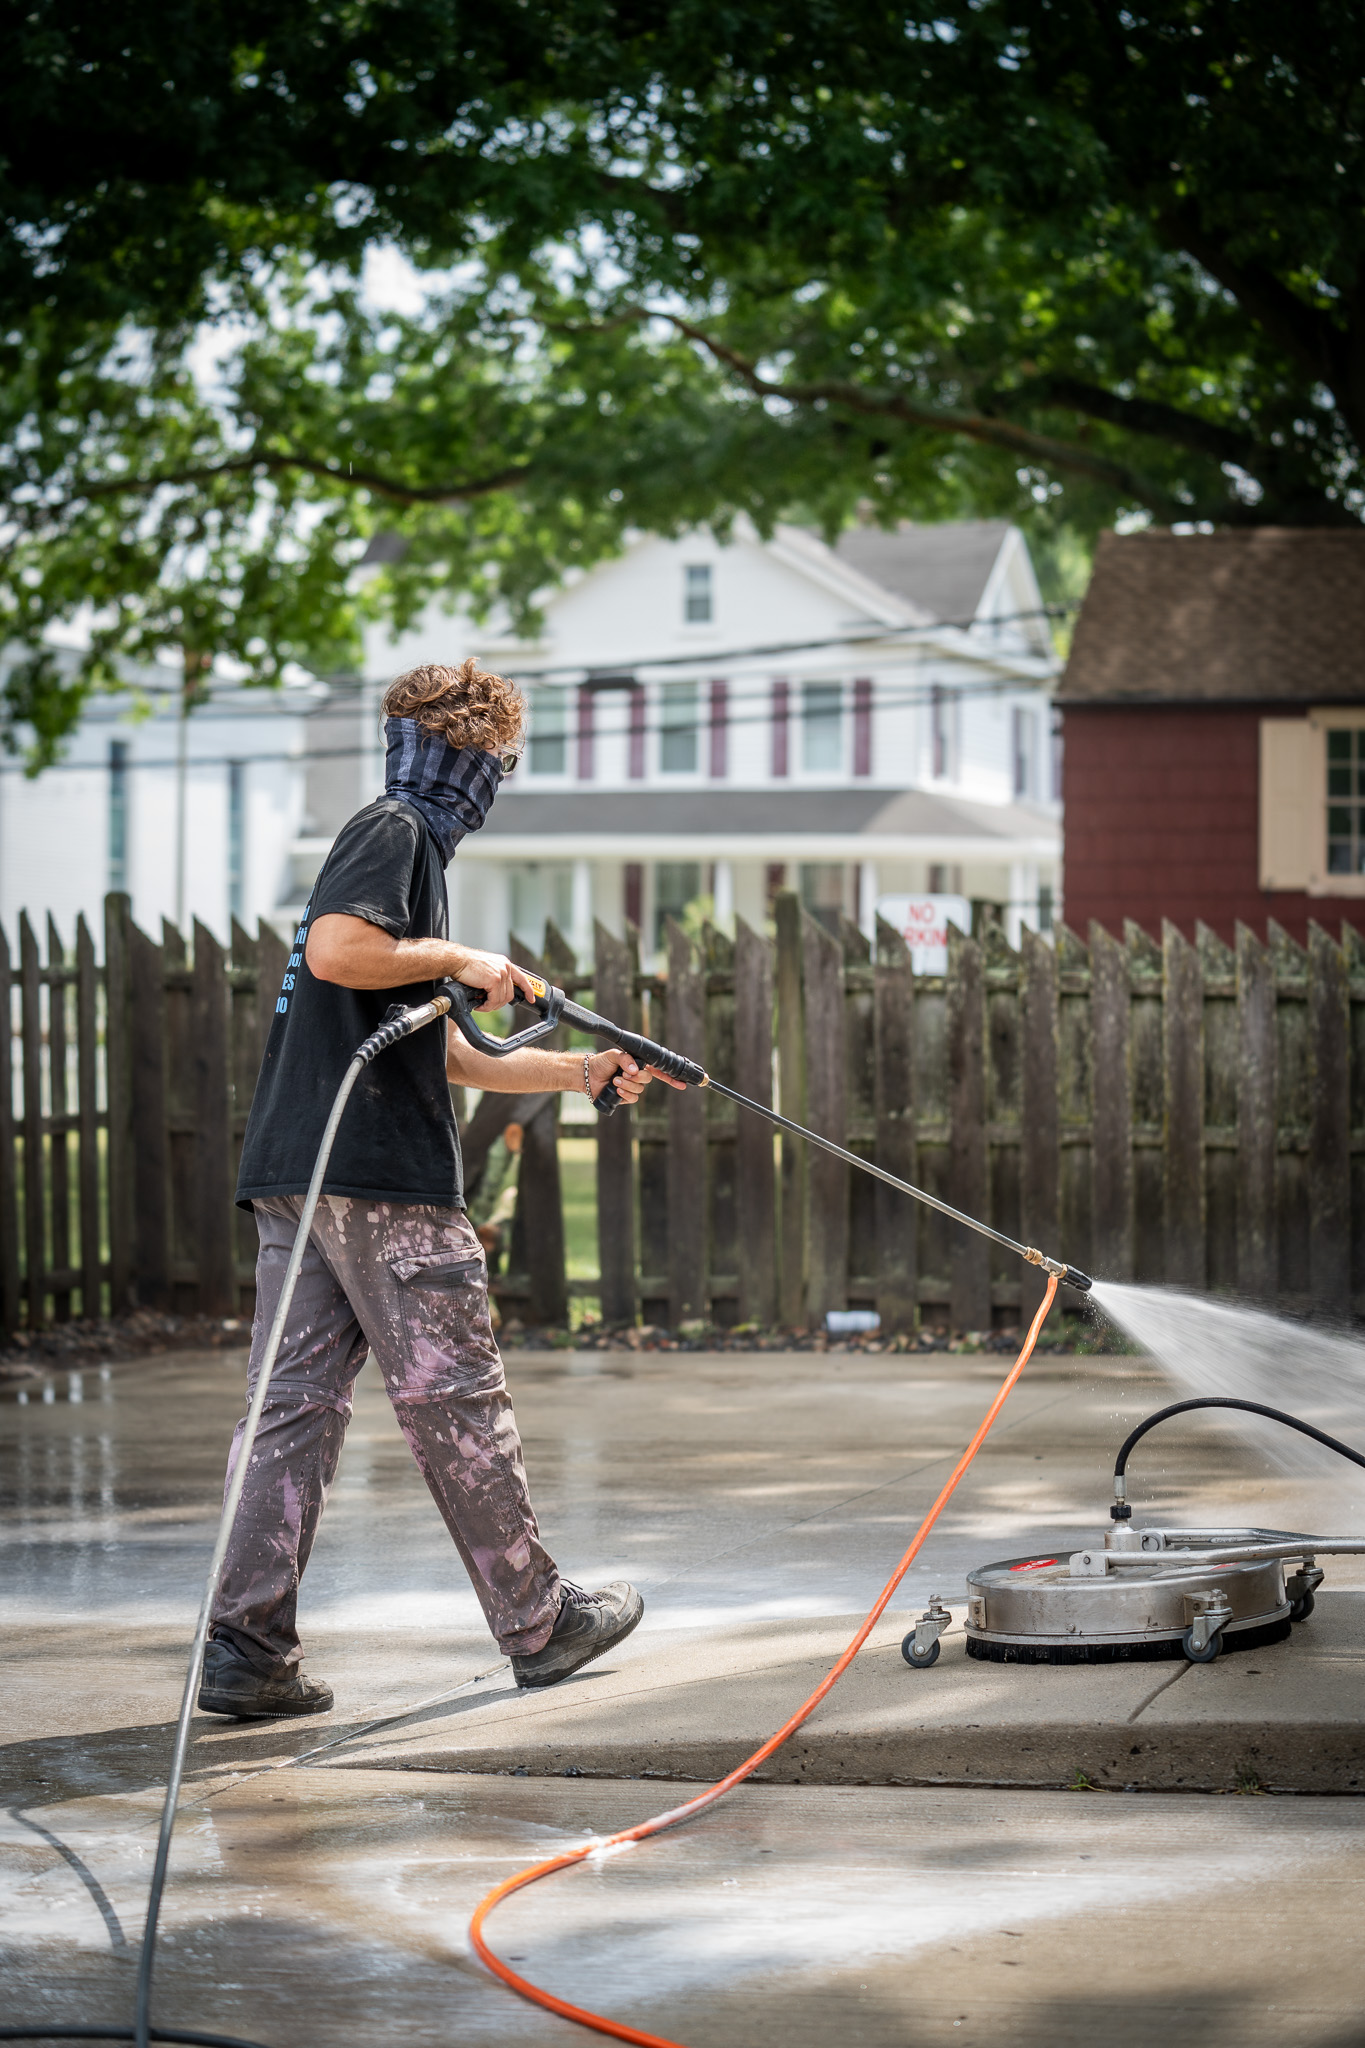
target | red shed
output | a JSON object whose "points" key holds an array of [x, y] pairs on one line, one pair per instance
{"points": [[1214, 732]]}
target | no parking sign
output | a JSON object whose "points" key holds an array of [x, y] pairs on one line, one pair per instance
{"points": [[923, 922]]}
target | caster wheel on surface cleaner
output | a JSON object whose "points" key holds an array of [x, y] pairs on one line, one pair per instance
{"points": [[1204, 1656], [919, 1660], [1299, 1610]]}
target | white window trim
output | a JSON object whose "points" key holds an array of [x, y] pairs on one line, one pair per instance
{"points": [[1293, 803]]}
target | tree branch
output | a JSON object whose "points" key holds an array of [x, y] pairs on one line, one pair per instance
{"points": [[277, 464], [975, 426], [1140, 416]]}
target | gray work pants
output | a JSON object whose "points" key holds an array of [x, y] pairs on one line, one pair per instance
{"points": [[409, 1283]]}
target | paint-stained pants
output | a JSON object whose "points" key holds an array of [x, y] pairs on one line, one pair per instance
{"points": [[410, 1284]]}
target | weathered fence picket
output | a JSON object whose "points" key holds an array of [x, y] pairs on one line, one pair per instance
{"points": [[60, 1150], [87, 1117], [1171, 1111], [615, 970], [755, 1171], [1256, 1045], [896, 1217]]}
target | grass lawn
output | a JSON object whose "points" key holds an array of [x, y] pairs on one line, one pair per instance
{"points": [[578, 1179]]}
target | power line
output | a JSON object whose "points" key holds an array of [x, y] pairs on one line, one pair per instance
{"points": [[772, 647], [795, 715], [622, 671]]}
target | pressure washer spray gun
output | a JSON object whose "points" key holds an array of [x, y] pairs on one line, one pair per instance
{"points": [[552, 1008]]}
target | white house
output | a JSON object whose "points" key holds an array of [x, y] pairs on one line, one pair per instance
{"points": [[109, 814], [708, 723], [717, 721]]}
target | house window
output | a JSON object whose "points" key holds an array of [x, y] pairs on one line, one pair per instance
{"points": [[1346, 801], [118, 814], [678, 729], [697, 594], [236, 835], [1023, 732], [822, 728], [549, 749], [943, 731], [1046, 906]]}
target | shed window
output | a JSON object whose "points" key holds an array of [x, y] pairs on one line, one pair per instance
{"points": [[1346, 801]]}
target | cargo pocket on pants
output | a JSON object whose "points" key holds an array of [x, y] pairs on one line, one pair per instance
{"points": [[447, 1339], [437, 1269]]}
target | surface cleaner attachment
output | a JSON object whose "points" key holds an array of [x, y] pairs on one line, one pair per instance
{"points": [[1140, 1593]]}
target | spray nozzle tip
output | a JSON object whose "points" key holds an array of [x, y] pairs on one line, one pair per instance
{"points": [[1074, 1277]]}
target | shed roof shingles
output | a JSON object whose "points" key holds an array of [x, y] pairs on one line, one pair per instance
{"points": [[1271, 614]]}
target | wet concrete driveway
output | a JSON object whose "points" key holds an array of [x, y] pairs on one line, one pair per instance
{"points": [[326, 1901]]}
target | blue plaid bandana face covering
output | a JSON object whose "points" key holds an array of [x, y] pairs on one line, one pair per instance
{"points": [[452, 787]]}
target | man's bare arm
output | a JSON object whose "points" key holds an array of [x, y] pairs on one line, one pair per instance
{"points": [[533, 1071], [356, 954]]}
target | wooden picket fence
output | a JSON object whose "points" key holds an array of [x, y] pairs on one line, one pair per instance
{"points": [[1183, 1113], [119, 1145]]}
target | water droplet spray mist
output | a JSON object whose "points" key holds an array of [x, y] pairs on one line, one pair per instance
{"points": [[1209, 1346]]}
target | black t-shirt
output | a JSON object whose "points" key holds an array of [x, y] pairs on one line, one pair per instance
{"points": [[397, 1141]]}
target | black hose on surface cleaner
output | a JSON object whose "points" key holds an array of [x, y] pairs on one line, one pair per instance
{"points": [[397, 1023], [1121, 1511]]}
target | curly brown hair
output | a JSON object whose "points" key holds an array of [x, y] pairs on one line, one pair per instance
{"points": [[466, 705]]}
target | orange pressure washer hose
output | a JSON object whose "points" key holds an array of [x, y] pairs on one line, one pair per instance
{"points": [[599, 2023]]}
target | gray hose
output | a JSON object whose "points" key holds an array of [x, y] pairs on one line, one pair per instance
{"points": [[398, 1023], [394, 1027]]}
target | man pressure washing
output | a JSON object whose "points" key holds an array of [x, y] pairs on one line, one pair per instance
{"points": [[393, 1265]]}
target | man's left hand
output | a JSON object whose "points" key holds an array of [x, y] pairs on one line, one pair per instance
{"points": [[631, 1080]]}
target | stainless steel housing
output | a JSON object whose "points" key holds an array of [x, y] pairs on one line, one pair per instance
{"points": [[1136, 1594]]}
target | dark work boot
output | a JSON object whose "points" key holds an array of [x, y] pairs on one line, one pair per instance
{"points": [[230, 1685], [588, 1625]]}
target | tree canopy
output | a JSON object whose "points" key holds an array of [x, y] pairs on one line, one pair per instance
{"points": [[1057, 259]]}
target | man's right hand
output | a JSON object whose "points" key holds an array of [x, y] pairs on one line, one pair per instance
{"points": [[494, 973], [356, 954]]}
